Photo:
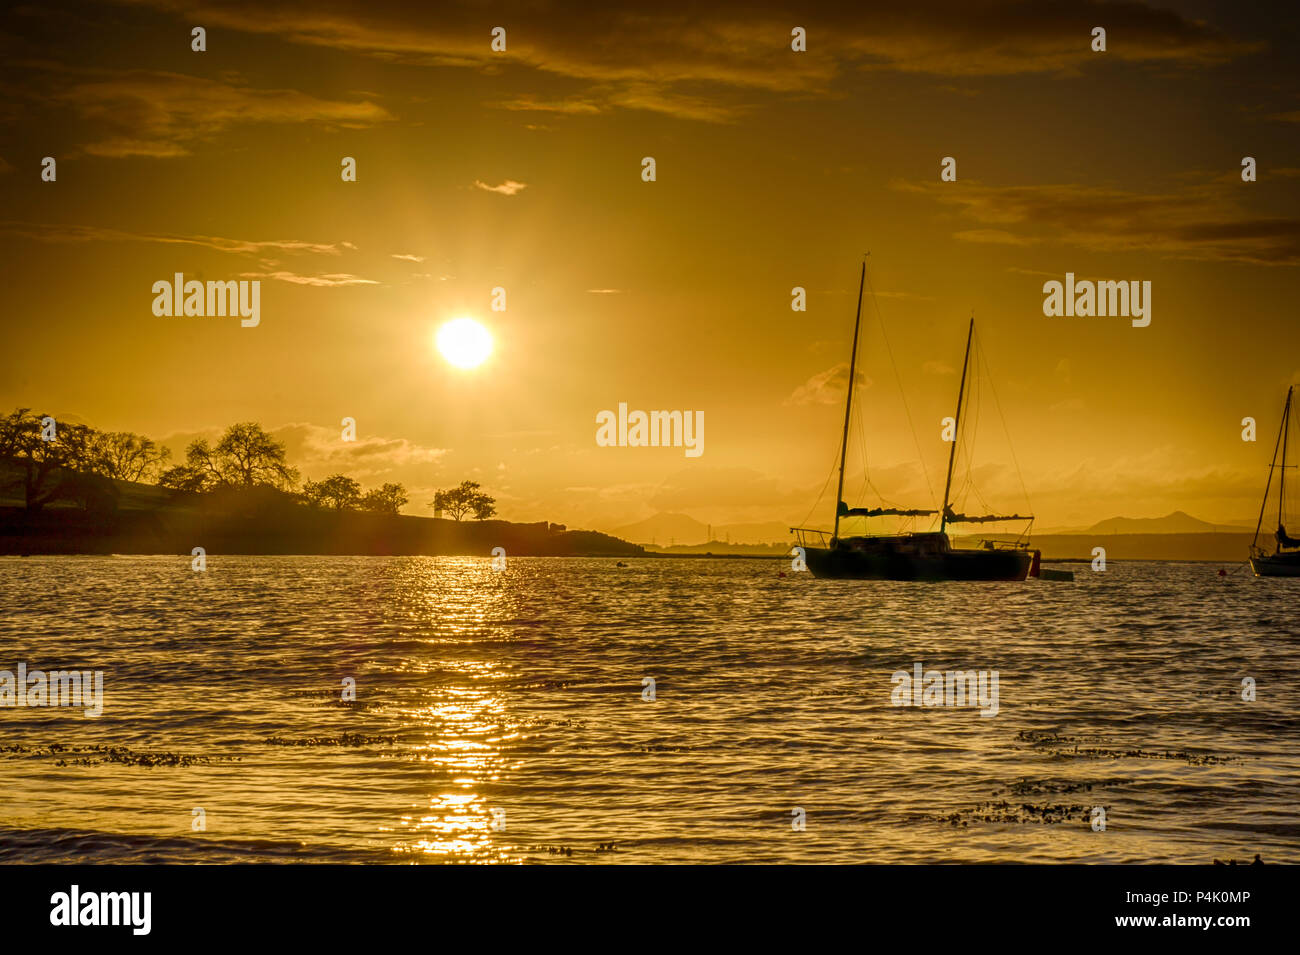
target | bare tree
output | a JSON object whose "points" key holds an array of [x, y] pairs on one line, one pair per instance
{"points": [[124, 456], [246, 456]]}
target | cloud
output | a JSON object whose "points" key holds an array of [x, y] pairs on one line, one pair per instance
{"points": [[409, 258], [938, 368], [533, 105], [605, 291], [318, 452], [992, 237], [1202, 223], [904, 295], [826, 387], [735, 489], [333, 280], [1010, 37], [698, 63], [161, 115], [84, 233], [507, 188]]}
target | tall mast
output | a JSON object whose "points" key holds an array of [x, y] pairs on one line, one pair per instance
{"points": [[956, 424], [1286, 411], [848, 403], [1281, 478]]}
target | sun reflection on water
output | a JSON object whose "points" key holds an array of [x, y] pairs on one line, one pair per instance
{"points": [[458, 713]]}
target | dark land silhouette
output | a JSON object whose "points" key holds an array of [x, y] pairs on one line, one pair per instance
{"points": [[124, 517]]}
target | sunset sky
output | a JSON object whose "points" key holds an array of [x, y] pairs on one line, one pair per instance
{"points": [[775, 169]]}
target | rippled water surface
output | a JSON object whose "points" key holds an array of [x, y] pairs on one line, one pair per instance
{"points": [[499, 716]]}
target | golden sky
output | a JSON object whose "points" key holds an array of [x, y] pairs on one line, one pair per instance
{"points": [[775, 169]]}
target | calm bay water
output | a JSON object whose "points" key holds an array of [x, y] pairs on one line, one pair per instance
{"points": [[521, 691]]}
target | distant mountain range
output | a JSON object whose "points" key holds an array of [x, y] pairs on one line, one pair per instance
{"points": [[1179, 522], [665, 530]]}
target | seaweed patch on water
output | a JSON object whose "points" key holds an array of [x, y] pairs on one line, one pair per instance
{"points": [[552, 685], [1060, 747], [1231, 692], [330, 697], [570, 850], [661, 748], [343, 739], [540, 721], [96, 755], [1047, 738], [1006, 812], [1041, 787]]}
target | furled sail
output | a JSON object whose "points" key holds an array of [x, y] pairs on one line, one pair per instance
{"points": [[846, 511], [951, 518]]}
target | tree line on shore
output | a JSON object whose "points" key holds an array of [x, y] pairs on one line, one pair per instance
{"points": [[56, 460]]}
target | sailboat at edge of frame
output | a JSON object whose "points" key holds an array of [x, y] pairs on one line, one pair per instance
{"points": [[1285, 559]]}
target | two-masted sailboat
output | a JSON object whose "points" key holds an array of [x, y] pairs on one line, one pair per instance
{"points": [[1285, 559], [911, 556]]}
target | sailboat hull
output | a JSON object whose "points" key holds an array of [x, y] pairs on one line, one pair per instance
{"points": [[846, 563], [1278, 565]]}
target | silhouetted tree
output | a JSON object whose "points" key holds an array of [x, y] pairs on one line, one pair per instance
{"points": [[183, 477], [337, 491], [40, 461], [466, 499], [389, 499], [124, 456], [246, 456]]}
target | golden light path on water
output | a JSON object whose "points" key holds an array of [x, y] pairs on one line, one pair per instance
{"points": [[458, 822], [521, 690], [464, 727]]}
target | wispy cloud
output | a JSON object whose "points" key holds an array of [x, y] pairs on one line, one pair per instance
{"points": [[507, 188], [531, 104], [162, 115], [604, 291], [905, 295], [409, 258], [827, 387], [84, 233], [318, 452], [691, 62], [1204, 222], [333, 280]]}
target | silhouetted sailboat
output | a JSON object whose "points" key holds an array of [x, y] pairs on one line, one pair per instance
{"points": [[912, 556], [1285, 559]]}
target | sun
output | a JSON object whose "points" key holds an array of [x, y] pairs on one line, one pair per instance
{"points": [[464, 342]]}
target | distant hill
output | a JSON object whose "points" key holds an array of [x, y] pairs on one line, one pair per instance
{"points": [[665, 530], [1179, 522], [723, 549]]}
